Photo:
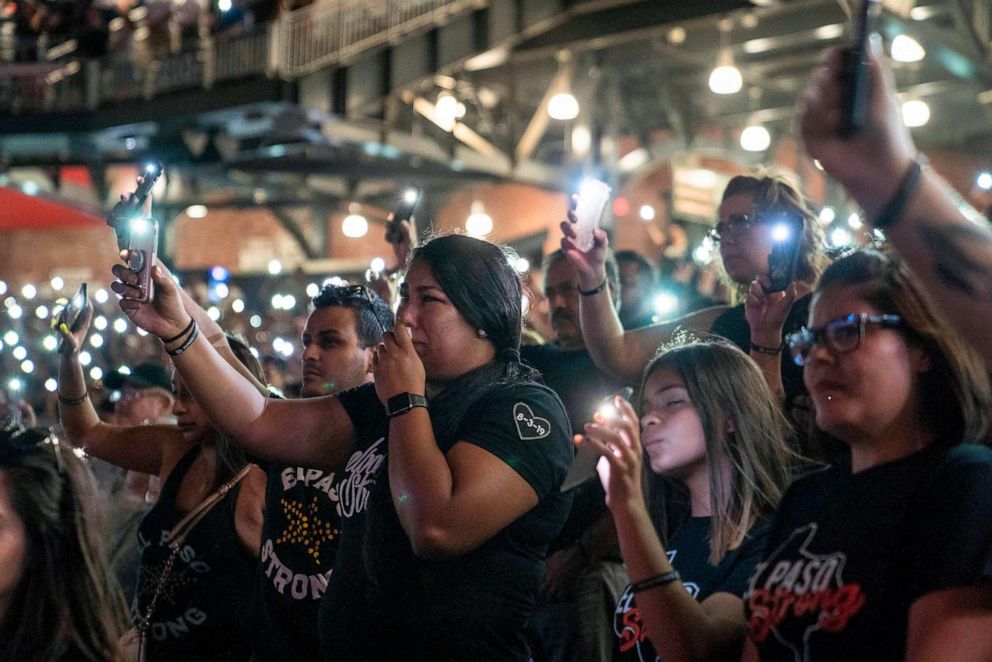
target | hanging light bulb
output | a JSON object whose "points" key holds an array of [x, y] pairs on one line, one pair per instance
{"points": [[354, 226], [563, 106], [726, 77], [447, 110], [755, 138], [479, 223], [907, 49], [915, 113]]}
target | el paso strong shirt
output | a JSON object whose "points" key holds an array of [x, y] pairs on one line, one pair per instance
{"points": [[848, 554], [384, 603]]}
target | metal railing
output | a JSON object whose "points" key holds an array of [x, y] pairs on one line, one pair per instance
{"points": [[326, 33], [299, 43]]}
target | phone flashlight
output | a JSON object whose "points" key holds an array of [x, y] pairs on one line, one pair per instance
{"points": [[608, 410], [781, 232], [410, 196]]}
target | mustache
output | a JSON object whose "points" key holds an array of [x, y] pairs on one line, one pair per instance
{"points": [[561, 313]]}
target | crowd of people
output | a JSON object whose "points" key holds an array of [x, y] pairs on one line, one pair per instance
{"points": [[803, 473], [29, 29]]}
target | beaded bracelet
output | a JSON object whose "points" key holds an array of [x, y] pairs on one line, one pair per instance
{"points": [[655, 581], [186, 344]]}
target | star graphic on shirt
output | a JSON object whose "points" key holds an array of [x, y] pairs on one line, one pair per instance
{"points": [[305, 527]]}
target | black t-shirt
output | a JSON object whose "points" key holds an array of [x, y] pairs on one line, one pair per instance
{"points": [[848, 554], [582, 388], [688, 553], [204, 605], [303, 512], [384, 603]]}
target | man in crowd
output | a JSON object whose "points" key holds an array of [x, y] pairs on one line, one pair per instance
{"points": [[584, 576], [637, 289], [304, 507]]}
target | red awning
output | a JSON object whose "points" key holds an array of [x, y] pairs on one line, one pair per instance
{"points": [[20, 211]]}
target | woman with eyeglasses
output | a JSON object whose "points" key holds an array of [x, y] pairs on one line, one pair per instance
{"points": [[58, 600], [708, 426], [200, 541], [889, 555], [461, 459], [753, 211]]}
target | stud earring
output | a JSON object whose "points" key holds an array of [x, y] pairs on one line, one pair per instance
{"points": [[482, 333]]}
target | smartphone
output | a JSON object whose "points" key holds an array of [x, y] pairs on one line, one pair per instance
{"points": [[120, 216], [142, 243], [787, 235], [584, 463], [589, 209], [855, 77], [73, 311], [404, 212]]}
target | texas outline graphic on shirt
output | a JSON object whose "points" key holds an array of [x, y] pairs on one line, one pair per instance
{"points": [[806, 586]]}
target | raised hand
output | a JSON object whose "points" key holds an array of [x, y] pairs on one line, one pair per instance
{"points": [[766, 312], [71, 339], [165, 316], [591, 264], [871, 162], [396, 365], [618, 439]]}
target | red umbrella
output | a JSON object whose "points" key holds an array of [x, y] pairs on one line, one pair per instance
{"points": [[20, 211]]}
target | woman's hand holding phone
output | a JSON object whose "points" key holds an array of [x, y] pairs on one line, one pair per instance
{"points": [[617, 438], [71, 337], [590, 264], [165, 316]]}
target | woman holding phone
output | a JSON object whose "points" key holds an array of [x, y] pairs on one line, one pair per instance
{"points": [[714, 440], [887, 555], [745, 233], [199, 542], [461, 458]]}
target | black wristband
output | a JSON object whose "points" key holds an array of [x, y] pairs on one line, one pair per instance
{"points": [[596, 290], [166, 341], [73, 401], [763, 349], [653, 582], [186, 344], [897, 204]]}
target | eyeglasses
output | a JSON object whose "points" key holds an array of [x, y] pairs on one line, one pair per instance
{"points": [[842, 335], [735, 226]]}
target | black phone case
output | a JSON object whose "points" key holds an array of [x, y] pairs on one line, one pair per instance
{"points": [[856, 77]]}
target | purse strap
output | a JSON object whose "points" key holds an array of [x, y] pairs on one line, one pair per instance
{"points": [[175, 540]]}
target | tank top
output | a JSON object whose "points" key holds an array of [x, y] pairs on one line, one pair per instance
{"points": [[205, 604]]}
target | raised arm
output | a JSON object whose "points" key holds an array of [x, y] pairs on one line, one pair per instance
{"points": [[314, 432], [620, 353], [139, 448], [951, 254], [678, 627]]}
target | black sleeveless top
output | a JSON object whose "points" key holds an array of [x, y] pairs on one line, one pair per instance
{"points": [[205, 604]]}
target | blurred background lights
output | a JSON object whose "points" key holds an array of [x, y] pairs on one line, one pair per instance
{"points": [[11, 337], [100, 323], [275, 267], [96, 373], [906, 49], [51, 385], [29, 291], [984, 181], [238, 306], [57, 284], [20, 353], [840, 238], [646, 212], [755, 139], [101, 296], [85, 358], [666, 303]]}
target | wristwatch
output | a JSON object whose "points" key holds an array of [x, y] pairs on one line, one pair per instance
{"points": [[404, 402]]}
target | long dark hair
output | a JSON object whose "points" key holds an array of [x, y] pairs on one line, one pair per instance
{"points": [[66, 605], [954, 396], [485, 288]]}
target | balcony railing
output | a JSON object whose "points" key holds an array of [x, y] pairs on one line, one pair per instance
{"points": [[297, 44]]}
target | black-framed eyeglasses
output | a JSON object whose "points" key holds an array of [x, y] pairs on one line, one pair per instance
{"points": [[25, 440], [736, 226], [842, 335]]}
